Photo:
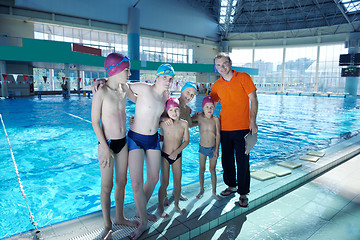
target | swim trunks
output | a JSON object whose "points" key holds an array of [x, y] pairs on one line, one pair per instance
{"points": [[116, 145], [166, 156], [145, 142], [207, 151]]}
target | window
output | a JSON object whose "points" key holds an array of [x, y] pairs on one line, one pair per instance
{"points": [[303, 72]]}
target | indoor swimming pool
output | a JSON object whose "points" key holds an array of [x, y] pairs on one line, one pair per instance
{"points": [[55, 149]]}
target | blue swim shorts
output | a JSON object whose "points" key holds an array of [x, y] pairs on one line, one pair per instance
{"points": [[207, 151], [145, 142]]}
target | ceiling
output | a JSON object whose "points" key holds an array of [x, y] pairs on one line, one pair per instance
{"points": [[260, 16]]}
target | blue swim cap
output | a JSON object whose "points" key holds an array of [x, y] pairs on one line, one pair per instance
{"points": [[189, 84], [165, 69]]}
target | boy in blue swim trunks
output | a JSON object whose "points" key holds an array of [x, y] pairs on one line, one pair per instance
{"points": [[143, 140], [209, 127], [108, 118], [176, 138]]}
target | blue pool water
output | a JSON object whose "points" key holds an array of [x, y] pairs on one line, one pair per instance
{"points": [[56, 150]]}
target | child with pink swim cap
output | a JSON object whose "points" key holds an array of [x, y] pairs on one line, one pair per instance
{"points": [[108, 121], [209, 128], [115, 63], [176, 138], [188, 92], [143, 139]]}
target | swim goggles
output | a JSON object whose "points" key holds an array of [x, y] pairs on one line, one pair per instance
{"points": [[125, 59], [165, 72]]}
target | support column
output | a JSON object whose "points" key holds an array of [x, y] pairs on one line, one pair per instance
{"points": [[317, 69], [133, 35], [351, 83], [67, 78], [282, 89], [77, 81], [4, 91], [225, 46]]}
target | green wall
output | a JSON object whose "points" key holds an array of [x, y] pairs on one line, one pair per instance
{"points": [[33, 50]]}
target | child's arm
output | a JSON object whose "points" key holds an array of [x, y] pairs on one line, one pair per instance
{"points": [[96, 109], [130, 94], [195, 119], [186, 141], [138, 87], [217, 136]]}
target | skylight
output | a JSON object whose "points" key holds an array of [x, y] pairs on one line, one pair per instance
{"points": [[351, 5], [227, 11]]}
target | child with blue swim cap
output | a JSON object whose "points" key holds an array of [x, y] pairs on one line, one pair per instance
{"points": [[165, 69], [188, 92], [189, 85], [142, 136]]}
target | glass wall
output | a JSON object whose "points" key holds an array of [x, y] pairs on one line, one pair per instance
{"points": [[330, 79], [298, 77], [269, 63], [294, 69], [150, 50], [51, 80]]}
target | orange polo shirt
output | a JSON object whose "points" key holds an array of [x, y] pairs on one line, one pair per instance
{"points": [[234, 99]]}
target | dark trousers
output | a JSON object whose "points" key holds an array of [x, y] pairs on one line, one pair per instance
{"points": [[233, 144]]}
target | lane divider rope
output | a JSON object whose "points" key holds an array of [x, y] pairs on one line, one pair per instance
{"points": [[78, 117], [31, 217]]}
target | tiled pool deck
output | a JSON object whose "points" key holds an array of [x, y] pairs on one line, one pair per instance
{"points": [[207, 213]]}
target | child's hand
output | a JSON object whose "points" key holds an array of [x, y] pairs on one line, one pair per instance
{"points": [[216, 154], [124, 87], [131, 120], [167, 93], [97, 85], [168, 121], [173, 156], [195, 116], [105, 156]]}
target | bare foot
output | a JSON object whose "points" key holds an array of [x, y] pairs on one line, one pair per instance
{"points": [[162, 213], [126, 222], [166, 202], [200, 195], [183, 198], [106, 234], [181, 211], [151, 217], [139, 231], [217, 197]]}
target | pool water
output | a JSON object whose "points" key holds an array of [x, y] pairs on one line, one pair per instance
{"points": [[56, 150]]}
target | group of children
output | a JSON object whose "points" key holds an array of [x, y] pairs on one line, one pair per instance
{"points": [[154, 109]]}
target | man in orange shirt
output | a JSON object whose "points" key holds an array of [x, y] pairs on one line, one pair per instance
{"points": [[237, 117]]}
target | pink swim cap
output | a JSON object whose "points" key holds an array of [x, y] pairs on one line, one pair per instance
{"points": [[206, 100], [172, 102], [115, 63]]}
